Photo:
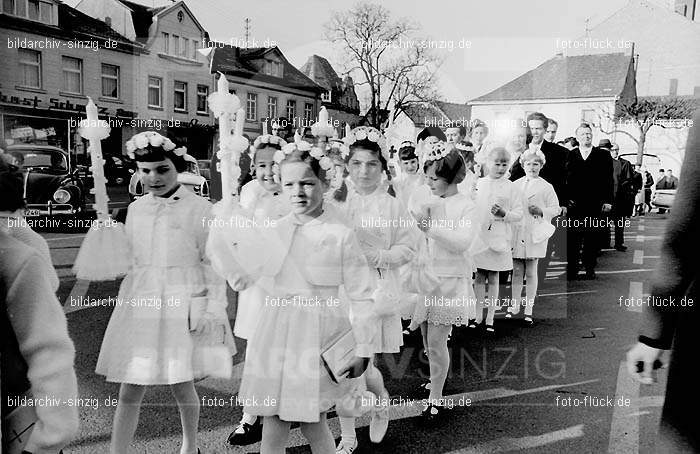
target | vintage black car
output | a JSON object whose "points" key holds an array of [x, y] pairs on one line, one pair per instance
{"points": [[51, 182]]}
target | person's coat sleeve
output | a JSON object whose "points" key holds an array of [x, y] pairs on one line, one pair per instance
{"points": [[678, 264]]}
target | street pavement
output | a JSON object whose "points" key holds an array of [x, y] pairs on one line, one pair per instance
{"points": [[558, 386]]}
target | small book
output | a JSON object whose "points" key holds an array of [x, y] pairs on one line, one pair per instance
{"points": [[338, 355]]}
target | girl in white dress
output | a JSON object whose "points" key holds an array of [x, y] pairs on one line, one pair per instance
{"points": [[150, 336], [529, 244], [447, 223], [498, 206], [308, 254], [387, 239], [262, 199]]}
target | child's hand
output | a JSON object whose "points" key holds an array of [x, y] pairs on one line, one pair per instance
{"points": [[356, 368], [535, 210], [497, 211]]}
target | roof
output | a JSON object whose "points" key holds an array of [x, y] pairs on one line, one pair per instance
{"points": [[455, 111], [320, 71], [236, 61], [141, 16], [580, 76], [419, 113], [72, 24]]}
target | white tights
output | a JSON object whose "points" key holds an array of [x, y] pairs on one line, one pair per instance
{"points": [[275, 434], [528, 268]]}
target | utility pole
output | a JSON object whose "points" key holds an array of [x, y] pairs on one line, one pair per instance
{"points": [[247, 31]]}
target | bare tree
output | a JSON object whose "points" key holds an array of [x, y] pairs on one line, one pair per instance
{"points": [[397, 68], [646, 112]]}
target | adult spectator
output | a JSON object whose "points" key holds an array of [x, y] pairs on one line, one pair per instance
{"points": [[455, 134], [648, 184], [638, 185], [624, 192], [667, 326], [554, 172], [570, 143], [552, 127], [36, 353], [667, 181], [590, 195]]}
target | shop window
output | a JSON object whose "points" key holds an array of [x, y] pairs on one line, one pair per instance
{"points": [[155, 92], [251, 107], [8, 6], [202, 94], [72, 75], [30, 67], [271, 107], [291, 109], [110, 81], [180, 96]]}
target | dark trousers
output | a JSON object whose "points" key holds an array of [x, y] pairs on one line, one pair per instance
{"points": [[619, 228], [582, 243], [543, 263]]}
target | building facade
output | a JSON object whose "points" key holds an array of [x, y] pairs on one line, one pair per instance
{"points": [[56, 57], [269, 87], [339, 96]]}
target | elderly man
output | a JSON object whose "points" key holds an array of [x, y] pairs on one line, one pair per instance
{"points": [[590, 195], [455, 134], [623, 191]]}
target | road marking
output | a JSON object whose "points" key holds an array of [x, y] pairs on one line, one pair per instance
{"points": [[636, 290], [507, 444], [59, 238], [624, 428], [640, 238], [638, 257], [641, 270], [79, 290], [567, 293]]}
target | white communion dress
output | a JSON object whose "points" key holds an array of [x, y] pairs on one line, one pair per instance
{"points": [[538, 192], [148, 340]]}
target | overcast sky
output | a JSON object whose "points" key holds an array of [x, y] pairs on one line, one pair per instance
{"points": [[507, 38]]}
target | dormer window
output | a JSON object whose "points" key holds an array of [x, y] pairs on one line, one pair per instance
{"points": [[273, 68], [326, 96], [36, 10]]}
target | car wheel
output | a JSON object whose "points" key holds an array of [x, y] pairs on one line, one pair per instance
{"points": [[119, 180]]}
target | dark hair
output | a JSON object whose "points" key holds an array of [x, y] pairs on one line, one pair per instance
{"points": [[373, 147], [538, 116], [661, 170], [552, 121], [11, 187], [431, 131], [572, 140], [468, 156], [451, 167], [407, 153], [155, 154], [462, 130]]}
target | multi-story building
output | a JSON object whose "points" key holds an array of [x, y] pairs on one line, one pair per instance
{"points": [[56, 57], [339, 97], [171, 79], [268, 86]]}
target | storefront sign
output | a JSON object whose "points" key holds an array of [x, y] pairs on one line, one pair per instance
{"points": [[60, 104]]}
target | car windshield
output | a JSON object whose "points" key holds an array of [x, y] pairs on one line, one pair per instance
{"points": [[191, 167], [45, 158]]}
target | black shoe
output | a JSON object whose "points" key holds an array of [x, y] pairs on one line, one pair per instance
{"points": [[528, 321], [571, 276], [432, 413], [246, 434], [621, 247]]}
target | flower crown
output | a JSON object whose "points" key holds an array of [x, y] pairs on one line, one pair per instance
{"points": [[436, 151], [365, 133], [269, 139], [463, 147], [407, 143], [317, 153], [143, 140]]}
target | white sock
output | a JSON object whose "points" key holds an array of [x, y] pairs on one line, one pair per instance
{"points": [[248, 419], [347, 429]]}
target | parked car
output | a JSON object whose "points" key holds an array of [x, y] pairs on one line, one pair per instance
{"points": [[191, 178], [52, 185], [663, 198], [118, 169]]}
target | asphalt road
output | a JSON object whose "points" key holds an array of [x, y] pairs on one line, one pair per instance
{"points": [[511, 390]]}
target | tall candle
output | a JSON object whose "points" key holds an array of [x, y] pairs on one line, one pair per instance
{"points": [[91, 112], [240, 122], [222, 86], [323, 116], [347, 129]]}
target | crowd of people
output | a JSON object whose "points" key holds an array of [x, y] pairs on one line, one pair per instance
{"points": [[335, 247]]}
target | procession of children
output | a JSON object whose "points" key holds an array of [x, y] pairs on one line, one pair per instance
{"points": [[335, 248]]}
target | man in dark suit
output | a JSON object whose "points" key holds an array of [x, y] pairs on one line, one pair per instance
{"points": [[623, 191], [554, 172], [590, 194]]}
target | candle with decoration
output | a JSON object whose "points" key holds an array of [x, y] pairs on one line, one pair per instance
{"points": [[101, 255]]}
